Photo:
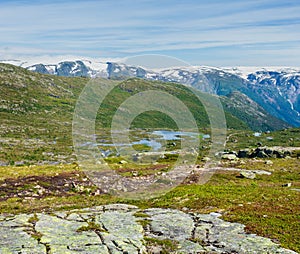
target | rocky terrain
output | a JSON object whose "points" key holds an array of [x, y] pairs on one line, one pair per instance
{"points": [[119, 228]]}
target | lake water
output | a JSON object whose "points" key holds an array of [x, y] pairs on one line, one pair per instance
{"points": [[156, 139], [153, 139]]}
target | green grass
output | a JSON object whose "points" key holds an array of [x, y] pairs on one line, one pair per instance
{"points": [[238, 139]]}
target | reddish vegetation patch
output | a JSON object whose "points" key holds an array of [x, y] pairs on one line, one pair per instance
{"points": [[41, 186]]}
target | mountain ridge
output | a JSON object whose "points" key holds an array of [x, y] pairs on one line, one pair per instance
{"points": [[275, 89]]}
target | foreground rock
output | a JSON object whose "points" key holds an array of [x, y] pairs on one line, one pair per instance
{"points": [[126, 229]]}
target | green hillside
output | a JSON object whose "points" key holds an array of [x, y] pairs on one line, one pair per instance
{"points": [[36, 112], [247, 110]]}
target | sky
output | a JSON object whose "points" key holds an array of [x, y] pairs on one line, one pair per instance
{"points": [[200, 32]]}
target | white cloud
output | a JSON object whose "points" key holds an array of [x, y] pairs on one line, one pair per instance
{"points": [[132, 27]]}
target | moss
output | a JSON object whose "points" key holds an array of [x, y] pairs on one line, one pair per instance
{"points": [[166, 244], [145, 223], [35, 234], [141, 215], [34, 219], [92, 226]]}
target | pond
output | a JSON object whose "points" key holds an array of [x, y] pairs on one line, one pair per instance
{"points": [[155, 140]]}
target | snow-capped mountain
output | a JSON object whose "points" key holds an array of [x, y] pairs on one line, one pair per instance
{"points": [[73, 66], [276, 89], [71, 69]]}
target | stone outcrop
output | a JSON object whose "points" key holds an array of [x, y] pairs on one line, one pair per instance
{"points": [[120, 228], [267, 152]]}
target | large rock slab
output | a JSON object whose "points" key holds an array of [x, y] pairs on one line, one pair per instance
{"points": [[15, 236], [120, 228]]}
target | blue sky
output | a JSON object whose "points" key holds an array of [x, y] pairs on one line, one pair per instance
{"points": [[213, 32]]}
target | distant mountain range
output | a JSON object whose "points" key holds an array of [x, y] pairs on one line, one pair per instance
{"points": [[263, 91]]}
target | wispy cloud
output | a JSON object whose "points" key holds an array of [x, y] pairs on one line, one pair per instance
{"points": [[211, 32]]}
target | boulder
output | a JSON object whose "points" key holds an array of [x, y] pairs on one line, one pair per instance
{"points": [[287, 185], [3, 163], [264, 152], [205, 159], [268, 162], [245, 153], [261, 154], [229, 156], [247, 174]]}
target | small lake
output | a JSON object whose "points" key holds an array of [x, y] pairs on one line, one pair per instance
{"points": [[153, 139]]}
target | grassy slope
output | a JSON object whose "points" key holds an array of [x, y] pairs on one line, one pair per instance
{"points": [[251, 113], [35, 112]]}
